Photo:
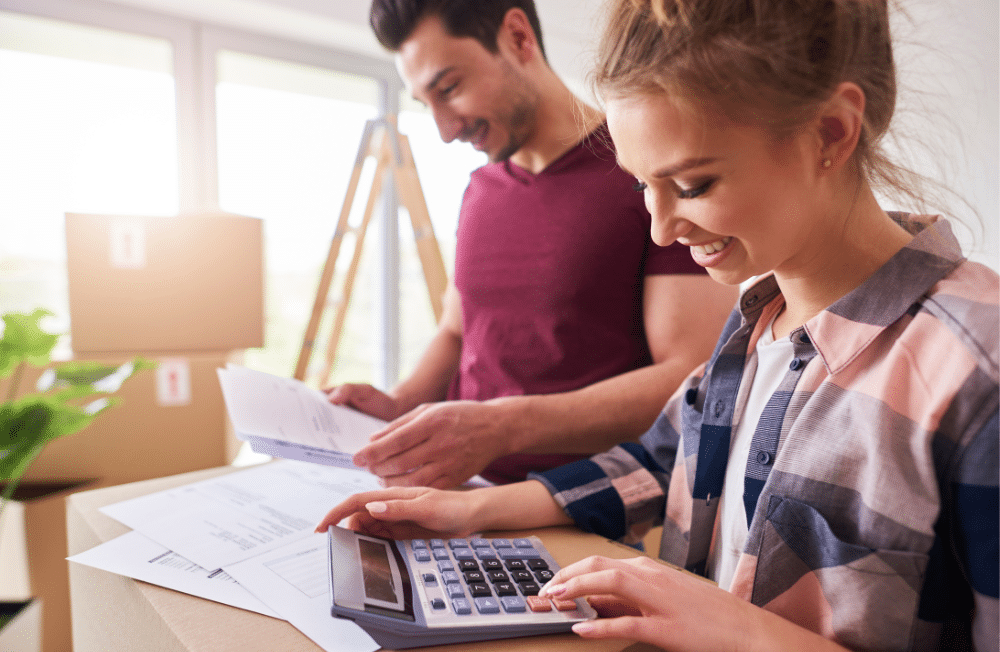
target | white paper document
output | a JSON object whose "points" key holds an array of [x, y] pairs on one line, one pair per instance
{"points": [[230, 518], [134, 555], [284, 417], [294, 581]]}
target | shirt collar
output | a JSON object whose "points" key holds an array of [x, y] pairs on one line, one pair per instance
{"points": [[844, 329]]}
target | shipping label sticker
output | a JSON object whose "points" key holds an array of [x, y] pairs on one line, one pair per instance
{"points": [[173, 382], [128, 244]]}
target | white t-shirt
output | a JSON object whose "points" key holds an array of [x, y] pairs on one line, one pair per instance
{"points": [[773, 358]]}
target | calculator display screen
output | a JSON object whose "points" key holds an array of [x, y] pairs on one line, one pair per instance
{"points": [[384, 576]]}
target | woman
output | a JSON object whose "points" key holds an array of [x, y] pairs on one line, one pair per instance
{"points": [[834, 466]]}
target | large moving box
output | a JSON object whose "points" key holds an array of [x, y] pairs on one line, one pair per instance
{"points": [[182, 283], [172, 419], [33, 556]]}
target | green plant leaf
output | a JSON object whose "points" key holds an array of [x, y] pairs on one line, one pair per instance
{"points": [[24, 340]]}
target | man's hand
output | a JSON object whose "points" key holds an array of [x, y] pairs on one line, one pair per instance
{"points": [[367, 399], [437, 445]]}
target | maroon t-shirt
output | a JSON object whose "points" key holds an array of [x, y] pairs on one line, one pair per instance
{"points": [[550, 269]]}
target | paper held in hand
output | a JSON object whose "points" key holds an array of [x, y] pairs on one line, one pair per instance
{"points": [[284, 417]]}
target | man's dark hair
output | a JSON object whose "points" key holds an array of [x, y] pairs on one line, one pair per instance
{"points": [[394, 20]]}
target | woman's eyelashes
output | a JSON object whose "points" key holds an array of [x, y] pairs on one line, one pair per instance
{"points": [[682, 193]]}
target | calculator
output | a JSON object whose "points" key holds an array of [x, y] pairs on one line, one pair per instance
{"points": [[420, 592]]}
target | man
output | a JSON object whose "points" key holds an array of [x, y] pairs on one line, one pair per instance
{"points": [[565, 329]]}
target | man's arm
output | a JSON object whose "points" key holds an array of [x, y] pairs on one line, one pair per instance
{"points": [[444, 444], [430, 379]]}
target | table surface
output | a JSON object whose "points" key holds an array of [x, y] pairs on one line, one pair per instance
{"points": [[200, 625]]}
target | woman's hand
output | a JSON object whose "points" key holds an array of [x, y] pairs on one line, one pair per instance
{"points": [[406, 513], [644, 600]]}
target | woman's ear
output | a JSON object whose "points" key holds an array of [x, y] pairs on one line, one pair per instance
{"points": [[839, 125], [517, 37]]}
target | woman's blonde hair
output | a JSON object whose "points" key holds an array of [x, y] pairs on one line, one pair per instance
{"points": [[772, 63]]}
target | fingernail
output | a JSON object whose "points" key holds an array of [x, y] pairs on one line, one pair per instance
{"points": [[584, 627], [554, 589], [376, 508]]}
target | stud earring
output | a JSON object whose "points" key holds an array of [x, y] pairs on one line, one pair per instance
{"points": [[827, 163]]}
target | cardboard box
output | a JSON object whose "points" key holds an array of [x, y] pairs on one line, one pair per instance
{"points": [[23, 633], [171, 420], [167, 621], [184, 283], [40, 555]]}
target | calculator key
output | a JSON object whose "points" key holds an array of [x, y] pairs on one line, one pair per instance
{"points": [[474, 576], [450, 577], [478, 589], [522, 576], [440, 553], [537, 564], [485, 553], [446, 565], [515, 564], [458, 543], [497, 576], [467, 565], [523, 543], [421, 554], [418, 543], [462, 553], [538, 604], [430, 578], [564, 605], [437, 603], [504, 588], [487, 605], [501, 543], [479, 543], [437, 543], [544, 575], [461, 606], [528, 588], [492, 565], [512, 604], [455, 591]]}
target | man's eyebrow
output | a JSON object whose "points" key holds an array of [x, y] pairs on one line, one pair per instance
{"points": [[437, 78]]}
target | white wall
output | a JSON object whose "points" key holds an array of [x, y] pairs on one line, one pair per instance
{"points": [[947, 54]]}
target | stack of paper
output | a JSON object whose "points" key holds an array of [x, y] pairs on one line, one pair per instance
{"points": [[244, 539], [284, 417]]}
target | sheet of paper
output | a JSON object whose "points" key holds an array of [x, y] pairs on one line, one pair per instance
{"points": [[134, 555], [294, 581], [233, 517], [286, 409]]}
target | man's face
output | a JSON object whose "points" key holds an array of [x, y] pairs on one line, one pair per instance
{"points": [[475, 96]]}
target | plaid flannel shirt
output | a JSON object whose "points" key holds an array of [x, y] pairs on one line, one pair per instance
{"points": [[871, 488]]}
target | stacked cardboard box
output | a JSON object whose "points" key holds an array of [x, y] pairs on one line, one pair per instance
{"points": [[185, 292]]}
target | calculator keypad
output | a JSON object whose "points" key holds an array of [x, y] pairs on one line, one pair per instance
{"points": [[487, 576]]}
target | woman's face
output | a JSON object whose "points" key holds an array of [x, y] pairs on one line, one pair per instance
{"points": [[744, 203]]}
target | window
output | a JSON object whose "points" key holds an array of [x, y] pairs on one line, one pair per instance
{"points": [[93, 130]]}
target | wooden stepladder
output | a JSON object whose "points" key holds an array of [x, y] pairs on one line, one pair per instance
{"points": [[391, 149]]}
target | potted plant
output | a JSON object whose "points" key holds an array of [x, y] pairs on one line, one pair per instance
{"points": [[67, 397]]}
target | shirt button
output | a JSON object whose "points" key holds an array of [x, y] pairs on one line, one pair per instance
{"points": [[804, 338], [691, 395], [719, 408], [796, 364], [763, 457]]}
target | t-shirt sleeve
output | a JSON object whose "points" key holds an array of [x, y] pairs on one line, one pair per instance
{"points": [[672, 259]]}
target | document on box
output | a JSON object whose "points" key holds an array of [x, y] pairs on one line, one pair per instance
{"points": [[294, 581], [136, 556], [229, 518], [284, 417]]}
